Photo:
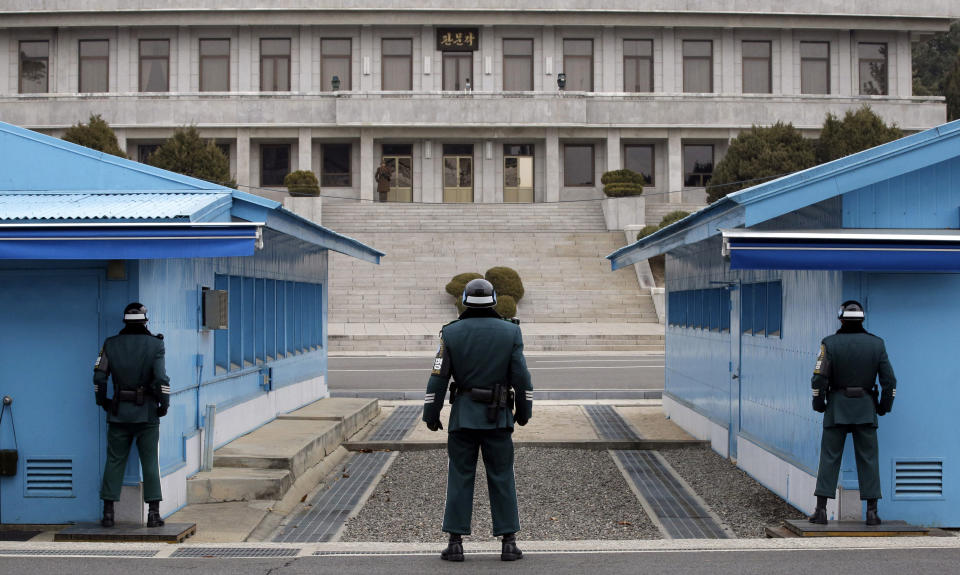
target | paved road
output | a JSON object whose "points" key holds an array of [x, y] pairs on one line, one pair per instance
{"points": [[550, 372], [819, 562]]}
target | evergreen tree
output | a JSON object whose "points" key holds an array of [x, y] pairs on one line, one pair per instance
{"points": [[951, 90], [95, 134], [188, 154], [757, 154], [933, 60], [857, 131]]}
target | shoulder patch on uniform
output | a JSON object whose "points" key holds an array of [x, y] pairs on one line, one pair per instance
{"points": [[438, 360], [819, 366]]}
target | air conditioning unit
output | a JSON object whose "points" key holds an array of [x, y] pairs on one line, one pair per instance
{"points": [[215, 309]]}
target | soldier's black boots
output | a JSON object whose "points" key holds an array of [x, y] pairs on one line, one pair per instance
{"points": [[820, 513], [107, 520], [454, 550], [872, 517], [153, 514], [509, 550]]}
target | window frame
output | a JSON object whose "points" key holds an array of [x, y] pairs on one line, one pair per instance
{"points": [[745, 59], [264, 147], [141, 58], [207, 58], [685, 59], [636, 60], [346, 84], [815, 59], [384, 57], [700, 176], [323, 160], [567, 57], [21, 59], [276, 58], [81, 59], [861, 60], [593, 165], [513, 57]]}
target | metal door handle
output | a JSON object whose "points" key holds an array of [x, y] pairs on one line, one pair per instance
{"points": [[735, 376]]}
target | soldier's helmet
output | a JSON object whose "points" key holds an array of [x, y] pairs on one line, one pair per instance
{"points": [[479, 293], [850, 310], [135, 313]]}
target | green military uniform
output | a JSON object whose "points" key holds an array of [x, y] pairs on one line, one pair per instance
{"points": [[135, 360], [481, 352], [845, 376]]}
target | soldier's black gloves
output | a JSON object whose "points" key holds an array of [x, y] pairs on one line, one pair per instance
{"points": [[885, 406], [434, 425], [819, 404], [161, 411], [521, 422]]}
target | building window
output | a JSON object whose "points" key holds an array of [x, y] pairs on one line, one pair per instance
{"points": [[638, 65], [873, 69], [335, 165], [274, 164], [34, 67], [335, 58], [144, 151], [397, 63], [757, 70], [154, 65], [215, 65], [578, 64], [639, 158], [94, 66], [814, 67], [698, 66], [517, 64], [274, 64], [761, 309], [457, 70], [697, 165], [578, 165]]}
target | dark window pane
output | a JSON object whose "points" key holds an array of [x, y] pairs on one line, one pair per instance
{"points": [[154, 48], [275, 47], [814, 49], [517, 65], [94, 65], [457, 70], [756, 67], [275, 65], [746, 308], [814, 67], [219, 47], [638, 48], [753, 49], [759, 309], [94, 48], [34, 64], [697, 165], [397, 64], [639, 158], [275, 164], [335, 169], [518, 149], [638, 65], [458, 149], [697, 66], [873, 68], [214, 65], [578, 165], [725, 310], [397, 150]]}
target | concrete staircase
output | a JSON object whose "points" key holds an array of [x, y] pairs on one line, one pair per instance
{"points": [[558, 250], [265, 463]]}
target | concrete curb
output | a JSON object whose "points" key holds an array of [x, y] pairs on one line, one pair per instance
{"points": [[588, 444]]}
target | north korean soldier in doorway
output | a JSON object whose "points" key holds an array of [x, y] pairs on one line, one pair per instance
{"points": [[484, 355], [845, 391], [134, 360], [383, 176]]}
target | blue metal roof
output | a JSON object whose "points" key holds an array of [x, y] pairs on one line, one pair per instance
{"points": [[781, 196], [110, 206]]}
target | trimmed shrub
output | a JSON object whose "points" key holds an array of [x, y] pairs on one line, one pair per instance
{"points": [[506, 306], [506, 282], [302, 183], [622, 183], [460, 281], [646, 231], [674, 216]]}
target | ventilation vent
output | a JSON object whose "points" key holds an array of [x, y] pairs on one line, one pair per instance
{"points": [[49, 478], [918, 479]]}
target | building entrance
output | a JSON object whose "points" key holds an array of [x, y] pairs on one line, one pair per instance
{"points": [[458, 173], [518, 173], [399, 158]]}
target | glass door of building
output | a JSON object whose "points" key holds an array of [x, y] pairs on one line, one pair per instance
{"points": [[458, 173], [518, 173], [399, 158], [457, 71]]}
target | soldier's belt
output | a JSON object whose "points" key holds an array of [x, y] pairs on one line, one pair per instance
{"points": [[850, 391], [130, 395], [478, 394]]}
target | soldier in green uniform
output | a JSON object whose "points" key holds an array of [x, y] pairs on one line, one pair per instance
{"points": [[134, 359], [845, 391], [484, 355]]}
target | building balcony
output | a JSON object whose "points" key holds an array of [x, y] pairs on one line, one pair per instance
{"points": [[457, 110]]}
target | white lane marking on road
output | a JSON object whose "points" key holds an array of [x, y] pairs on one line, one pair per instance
{"points": [[530, 368]]}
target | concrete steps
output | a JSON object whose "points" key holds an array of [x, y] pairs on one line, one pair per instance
{"points": [[266, 462]]}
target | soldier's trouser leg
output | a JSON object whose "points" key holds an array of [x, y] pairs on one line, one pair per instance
{"points": [[497, 449], [119, 438], [831, 452], [868, 461], [462, 450], [148, 442]]}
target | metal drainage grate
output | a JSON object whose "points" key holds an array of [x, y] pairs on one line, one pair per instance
{"points": [[398, 424], [609, 424], [234, 552], [330, 508], [82, 552], [677, 509]]}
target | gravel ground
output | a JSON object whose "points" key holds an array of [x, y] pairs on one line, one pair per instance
{"points": [[564, 495], [742, 503]]}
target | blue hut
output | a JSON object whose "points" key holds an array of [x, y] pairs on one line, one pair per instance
{"points": [[753, 283], [236, 284]]}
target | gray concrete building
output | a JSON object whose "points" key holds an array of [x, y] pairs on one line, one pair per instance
{"points": [[495, 101]]}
